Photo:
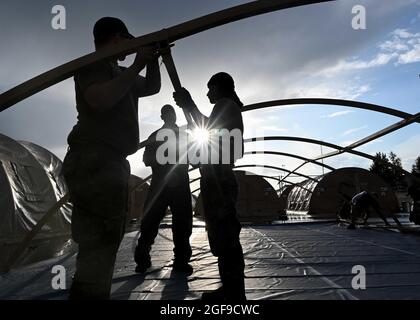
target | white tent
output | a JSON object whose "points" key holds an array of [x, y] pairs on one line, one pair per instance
{"points": [[30, 184]]}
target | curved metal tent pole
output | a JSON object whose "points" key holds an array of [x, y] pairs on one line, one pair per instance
{"points": [[266, 177], [350, 148], [256, 139], [259, 175], [194, 180], [285, 181], [198, 189], [331, 102], [144, 143], [408, 119], [280, 154], [264, 166], [273, 168], [262, 176], [300, 139], [308, 140], [171, 34], [291, 156]]}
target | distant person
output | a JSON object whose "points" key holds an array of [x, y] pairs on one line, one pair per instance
{"points": [[170, 186], [360, 205], [344, 207], [414, 193], [219, 188], [95, 167]]}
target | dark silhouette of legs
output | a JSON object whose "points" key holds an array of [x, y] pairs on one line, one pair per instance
{"points": [[155, 209], [220, 191], [98, 184], [181, 207]]}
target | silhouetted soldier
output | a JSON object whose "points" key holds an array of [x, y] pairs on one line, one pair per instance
{"points": [[170, 186], [95, 167], [360, 205], [414, 193], [219, 188]]}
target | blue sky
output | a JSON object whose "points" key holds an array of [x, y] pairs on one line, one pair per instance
{"points": [[309, 51]]}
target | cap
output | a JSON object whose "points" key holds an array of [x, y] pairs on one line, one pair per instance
{"points": [[108, 26]]}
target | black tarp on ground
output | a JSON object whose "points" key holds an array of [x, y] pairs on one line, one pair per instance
{"points": [[287, 261]]}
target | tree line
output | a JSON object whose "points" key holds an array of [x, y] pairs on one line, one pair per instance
{"points": [[389, 167]]}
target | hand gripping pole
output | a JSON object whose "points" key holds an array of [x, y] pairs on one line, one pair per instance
{"points": [[173, 75]]}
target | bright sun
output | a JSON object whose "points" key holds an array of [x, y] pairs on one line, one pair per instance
{"points": [[200, 135]]}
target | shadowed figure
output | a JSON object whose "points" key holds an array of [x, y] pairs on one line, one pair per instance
{"points": [[218, 184], [360, 205], [95, 167], [414, 193], [170, 186]]}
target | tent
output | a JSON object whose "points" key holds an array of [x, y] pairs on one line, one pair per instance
{"points": [[257, 199], [325, 195], [30, 184]]}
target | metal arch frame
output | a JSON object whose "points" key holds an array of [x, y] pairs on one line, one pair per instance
{"points": [[376, 135], [339, 149], [276, 179], [273, 168], [329, 102], [308, 140], [262, 176], [285, 181], [168, 35], [282, 154], [198, 189], [407, 120], [291, 156], [145, 180], [143, 143]]}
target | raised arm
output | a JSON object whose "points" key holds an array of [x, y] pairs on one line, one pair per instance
{"points": [[184, 100], [102, 96], [149, 85]]}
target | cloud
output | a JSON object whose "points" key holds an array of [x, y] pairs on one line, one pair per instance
{"points": [[348, 90], [344, 65], [403, 47], [350, 131], [337, 114], [273, 128], [408, 45], [410, 56]]}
